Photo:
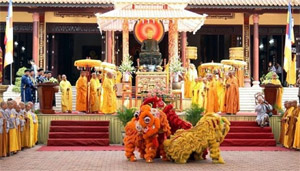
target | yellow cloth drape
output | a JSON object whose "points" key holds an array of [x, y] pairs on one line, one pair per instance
{"points": [[109, 104], [81, 86], [35, 129], [291, 73], [94, 98], [66, 95], [279, 93]]}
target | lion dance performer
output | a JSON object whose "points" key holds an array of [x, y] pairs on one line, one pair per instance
{"points": [[209, 132]]}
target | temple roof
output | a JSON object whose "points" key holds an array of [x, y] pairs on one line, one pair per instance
{"points": [[192, 3]]}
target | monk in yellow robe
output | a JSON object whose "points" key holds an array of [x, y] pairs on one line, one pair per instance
{"points": [[66, 94], [291, 122], [287, 123], [94, 96], [118, 77], [23, 128], [232, 97], [99, 78], [81, 86], [202, 93], [29, 127], [296, 143], [12, 134], [288, 109], [195, 91], [221, 94], [189, 80], [212, 105], [15, 111], [35, 124], [109, 97]]}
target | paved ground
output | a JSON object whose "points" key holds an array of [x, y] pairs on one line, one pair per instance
{"points": [[31, 159]]}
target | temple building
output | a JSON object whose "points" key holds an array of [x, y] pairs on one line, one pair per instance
{"points": [[56, 33]]}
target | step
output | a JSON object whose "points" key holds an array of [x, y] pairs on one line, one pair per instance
{"points": [[73, 135], [243, 123], [242, 129], [79, 129], [78, 123], [249, 142], [78, 142], [234, 135]]}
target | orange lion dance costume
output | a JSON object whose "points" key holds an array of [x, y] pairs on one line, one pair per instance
{"points": [[142, 133]]}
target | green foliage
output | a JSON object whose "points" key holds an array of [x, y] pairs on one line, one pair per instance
{"points": [[20, 73], [265, 78], [125, 114], [194, 114], [279, 110], [126, 65]]}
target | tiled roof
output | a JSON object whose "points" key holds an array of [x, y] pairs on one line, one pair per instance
{"points": [[244, 2]]}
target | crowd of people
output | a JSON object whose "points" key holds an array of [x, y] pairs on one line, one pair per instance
{"points": [[18, 127], [213, 92], [290, 125]]}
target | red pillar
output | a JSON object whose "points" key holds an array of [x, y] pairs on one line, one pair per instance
{"points": [[109, 46], [183, 47], [256, 50], [35, 38]]}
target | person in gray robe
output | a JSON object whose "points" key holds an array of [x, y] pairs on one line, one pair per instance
{"points": [[262, 117]]}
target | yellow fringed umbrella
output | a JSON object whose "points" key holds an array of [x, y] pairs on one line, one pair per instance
{"points": [[87, 63], [211, 65], [234, 63]]}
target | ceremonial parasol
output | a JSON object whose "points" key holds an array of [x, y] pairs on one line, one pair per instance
{"points": [[211, 65], [87, 64], [235, 63]]}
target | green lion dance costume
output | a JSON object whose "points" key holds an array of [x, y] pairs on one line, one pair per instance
{"points": [[209, 133]]}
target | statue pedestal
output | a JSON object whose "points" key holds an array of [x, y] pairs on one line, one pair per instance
{"points": [[147, 81], [46, 93]]}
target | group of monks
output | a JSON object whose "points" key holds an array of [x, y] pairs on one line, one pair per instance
{"points": [[18, 127], [101, 90], [290, 125], [212, 92]]}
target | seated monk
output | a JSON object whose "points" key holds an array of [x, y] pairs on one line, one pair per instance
{"points": [[150, 54]]}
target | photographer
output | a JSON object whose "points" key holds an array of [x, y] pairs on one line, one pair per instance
{"points": [[262, 109]]}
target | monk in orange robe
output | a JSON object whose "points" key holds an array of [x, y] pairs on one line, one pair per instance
{"points": [[212, 104], [81, 86], [291, 125], [232, 99], [240, 76], [288, 108]]}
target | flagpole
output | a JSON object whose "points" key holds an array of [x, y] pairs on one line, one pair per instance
{"points": [[10, 74]]}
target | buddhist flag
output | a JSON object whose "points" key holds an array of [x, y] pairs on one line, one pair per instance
{"points": [[289, 40], [9, 35]]}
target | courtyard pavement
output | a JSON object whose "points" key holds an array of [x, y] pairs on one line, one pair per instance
{"points": [[31, 159]]}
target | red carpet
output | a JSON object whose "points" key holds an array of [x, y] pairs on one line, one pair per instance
{"points": [[247, 133], [78, 133], [121, 148]]}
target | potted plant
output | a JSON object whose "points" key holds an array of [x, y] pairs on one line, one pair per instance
{"points": [[20, 73], [125, 114], [126, 68], [194, 114], [176, 70]]}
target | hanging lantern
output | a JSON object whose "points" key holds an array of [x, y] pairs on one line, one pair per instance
{"points": [[191, 52]]}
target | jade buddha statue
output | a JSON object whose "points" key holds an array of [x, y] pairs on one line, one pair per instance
{"points": [[150, 55]]}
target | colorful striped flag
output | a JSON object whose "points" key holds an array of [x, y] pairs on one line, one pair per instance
{"points": [[9, 35], [289, 40]]}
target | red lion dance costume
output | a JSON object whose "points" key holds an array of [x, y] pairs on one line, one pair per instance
{"points": [[149, 128]]}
